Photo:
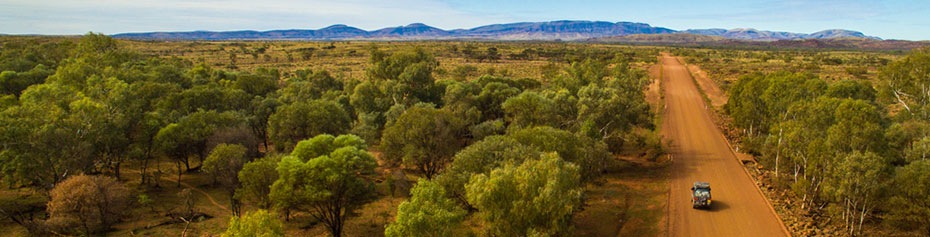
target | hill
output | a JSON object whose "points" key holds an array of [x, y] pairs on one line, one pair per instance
{"points": [[552, 30], [674, 38], [763, 35], [691, 39]]}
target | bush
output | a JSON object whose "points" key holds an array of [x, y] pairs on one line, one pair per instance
{"points": [[486, 128], [259, 223], [535, 198], [428, 213], [87, 204], [463, 72]]}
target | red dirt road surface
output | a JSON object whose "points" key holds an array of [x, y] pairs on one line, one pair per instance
{"points": [[699, 152]]}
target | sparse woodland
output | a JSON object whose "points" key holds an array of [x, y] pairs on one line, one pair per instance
{"points": [[102, 136], [97, 136]]}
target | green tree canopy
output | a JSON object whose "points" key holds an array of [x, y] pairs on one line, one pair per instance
{"points": [[292, 123], [606, 112], [588, 154], [424, 138], [413, 73], [260, 223], [328, 186], [859, 184], [257, 177], [909, 207], [258, 83], [428, 213], [492, 96], [533, 198], [904, 82], [480, 158], [224, 164], [852, 89], [530, 109], [757, 101]]}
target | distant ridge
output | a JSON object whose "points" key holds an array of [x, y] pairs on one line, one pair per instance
{"points": [[690, 39], [552, 30], [753, 34]]}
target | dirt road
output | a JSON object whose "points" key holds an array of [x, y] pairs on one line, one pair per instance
{"points": [[700, 153]]}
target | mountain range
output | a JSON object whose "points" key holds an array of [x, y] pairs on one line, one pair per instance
{"points": [[691, 39], [552, 30]]}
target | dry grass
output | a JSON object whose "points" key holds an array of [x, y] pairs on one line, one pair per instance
{"points": [[629, 201]]}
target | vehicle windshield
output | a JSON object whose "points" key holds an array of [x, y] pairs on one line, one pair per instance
{"points": [[701, 192]]}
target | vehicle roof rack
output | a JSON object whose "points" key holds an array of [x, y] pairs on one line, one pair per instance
{"points": [[701, 185]]}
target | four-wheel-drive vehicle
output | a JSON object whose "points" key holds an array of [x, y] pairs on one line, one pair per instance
{"points": [[700, 195]]}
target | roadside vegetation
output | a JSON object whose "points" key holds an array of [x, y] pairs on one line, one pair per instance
{"points": [[103, 136], [841, 134]]}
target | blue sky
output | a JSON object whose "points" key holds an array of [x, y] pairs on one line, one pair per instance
{"points": [[893, 19]]}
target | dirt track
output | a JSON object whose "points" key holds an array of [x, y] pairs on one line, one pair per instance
{"points": [[700, 153]]}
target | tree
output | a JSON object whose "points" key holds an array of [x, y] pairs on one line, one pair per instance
{"points": [[428, 213], [582, 73], [492, 95], [325, 177], [424, 138], [87, 204], [907, 140], [107, 107], [590, 155], [533, 198], [171, 142], [852, 89], [757, 101], [145, 122], [530, 109], [259, 112], [369, 97], [909, 206], [260, 223], [919, 150], [481, 158], [224, 164], [412, 72], [609, 111], [802, 140], [310, 86], [205, 98], [14, 83], [486, 128], [460, 98], [859, 184], [41, 146], [239, 135], [904, 82], [259, 83], [368, 126], [298, 121], [256, 178], [566, 107], [857, 127], [199, 126], [189, 136]]}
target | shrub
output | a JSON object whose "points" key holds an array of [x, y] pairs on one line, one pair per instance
{"points": [[87, 204]]}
